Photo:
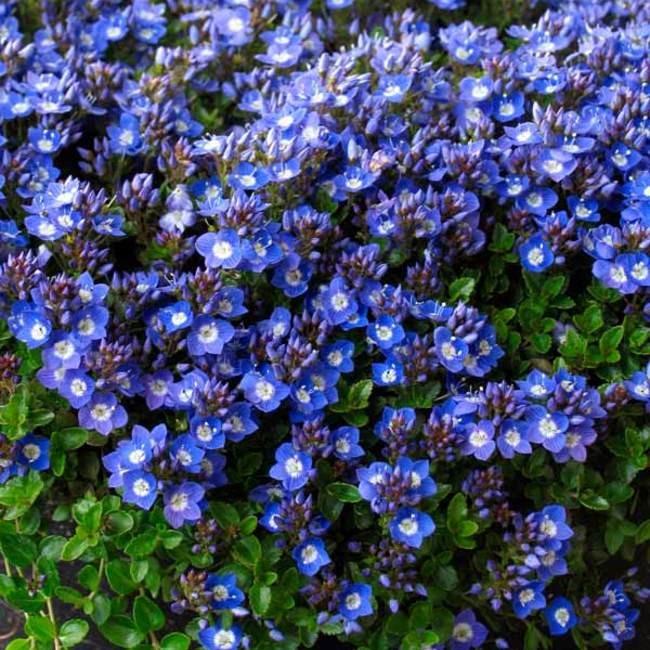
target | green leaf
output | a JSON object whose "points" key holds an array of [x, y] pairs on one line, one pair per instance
{"points": [[74, 548], [13, 414], [20, 644], [175, 641], [147, 615], [456, 512], [122, 632], [643, 532], [260, 598], [614, 536], [225, 514], [119, 577], [344, 492], [142, 545], [88, 577], [41, 628], [18, 549], [19, 493], [589, 499], [610, 340], [73, 632], [248, 551], [461, 289], [118, 523], [360, 394]]}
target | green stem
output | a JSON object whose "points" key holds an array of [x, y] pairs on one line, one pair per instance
{"points": [[52, 617]]}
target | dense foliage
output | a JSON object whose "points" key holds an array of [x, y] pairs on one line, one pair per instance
{"points": [[324, 322]]}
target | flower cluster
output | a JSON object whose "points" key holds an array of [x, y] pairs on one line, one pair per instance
{"points": [[278, 290]]}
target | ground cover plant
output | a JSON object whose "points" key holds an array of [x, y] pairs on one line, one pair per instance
{"points": [[324, 324]]}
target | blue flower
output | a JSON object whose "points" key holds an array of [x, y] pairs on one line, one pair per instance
{"points": [[221, 249], [208, 432], [292, 467], [355, 601], [385, 332], [479, 440], [77, 387], [186, 453], [528, 598], [90, 323], [248, 177], [292, 275], [547, 428], [182, 503], [224, 590], [560, 616], [345, 442], [218, 637], [450, 350], [535, 253], [34, 452], [310, 556], [103, 414], [513, 438], [389, 373], [411, 526], [29, 325], [209, 335], [354, 179], [339, 302], [263, 390], [551, 524], [140, 489], [393, 87], [45, 141], [125, 138], [176, 316]]}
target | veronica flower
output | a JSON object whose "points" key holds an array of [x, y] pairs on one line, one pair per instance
{"points": [[411, 526], [186, 453], [535, 253], [385, 332], [345, 442], [45, 141], [339, 301], [560, 616], [513, 438], [209, 335], [103, 413], [528, 598], [221, 249], [451, 351], [176, 316], [140, 489], [292, 467], [218, 637], [29, 325], [248, 177], [547, 428], [225, 593], [310, 556], [538, 200], [479, 440], [389, 373], [34, 452], [182, 503], [467, 632], [263, 390], [207, 432], [77, 387], [355, 601], [125, 138]]}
